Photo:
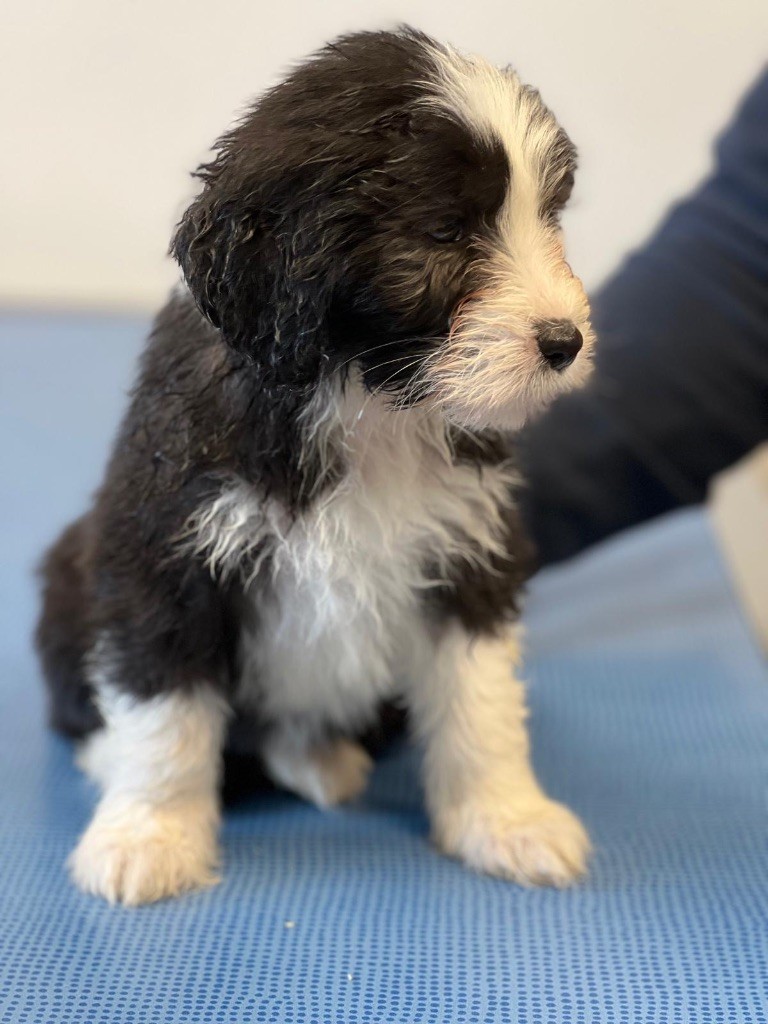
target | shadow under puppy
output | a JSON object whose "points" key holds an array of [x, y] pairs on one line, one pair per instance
{"points": [[310, 506]]}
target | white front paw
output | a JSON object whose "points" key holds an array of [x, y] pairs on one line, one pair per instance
{"points": [[539, 842], [143, 854]]}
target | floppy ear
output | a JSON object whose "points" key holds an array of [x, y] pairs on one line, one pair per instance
{"points": [[253, 258]]}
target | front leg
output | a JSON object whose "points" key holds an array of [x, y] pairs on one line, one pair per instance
{"points": [[153, 834], [485, 804]]}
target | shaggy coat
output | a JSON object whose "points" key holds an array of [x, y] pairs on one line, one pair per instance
{"points": [[310, 505]]}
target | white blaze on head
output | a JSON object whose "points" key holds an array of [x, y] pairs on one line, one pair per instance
{"points": [[491, 371]]}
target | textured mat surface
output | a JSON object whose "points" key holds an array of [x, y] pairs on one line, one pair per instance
{"points": [[650, 716]]}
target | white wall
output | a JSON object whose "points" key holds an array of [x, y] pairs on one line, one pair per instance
{"points": [[106, 106]]}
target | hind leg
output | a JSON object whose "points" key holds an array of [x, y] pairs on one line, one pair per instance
{"points": [[63, 633], [325, 772]]}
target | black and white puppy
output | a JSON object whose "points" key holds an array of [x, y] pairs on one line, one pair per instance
{"points": [[310, 507]]}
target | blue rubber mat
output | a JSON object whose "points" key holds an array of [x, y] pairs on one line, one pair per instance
{"points": [[650, 717]]}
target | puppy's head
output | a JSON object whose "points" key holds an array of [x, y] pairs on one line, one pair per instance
{"points": [[394, 205]]}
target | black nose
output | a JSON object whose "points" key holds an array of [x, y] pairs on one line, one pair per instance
{"points": [[559, 342]]}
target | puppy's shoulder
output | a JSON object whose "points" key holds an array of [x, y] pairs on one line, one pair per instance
{"points": [[189, 395]]}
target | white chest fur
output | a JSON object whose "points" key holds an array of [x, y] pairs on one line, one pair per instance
{"points": [[340, 619]]}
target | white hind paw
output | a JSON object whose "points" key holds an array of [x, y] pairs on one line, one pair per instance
{"points": [[326, 774]]}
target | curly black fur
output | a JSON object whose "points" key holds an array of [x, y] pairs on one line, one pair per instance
{"points": [[317, 242]]}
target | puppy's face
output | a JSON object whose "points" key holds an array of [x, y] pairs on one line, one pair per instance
{"points": [[394, 205]]}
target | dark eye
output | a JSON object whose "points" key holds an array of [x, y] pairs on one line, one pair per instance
{"points": [[451, 231], [563, 191]]}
